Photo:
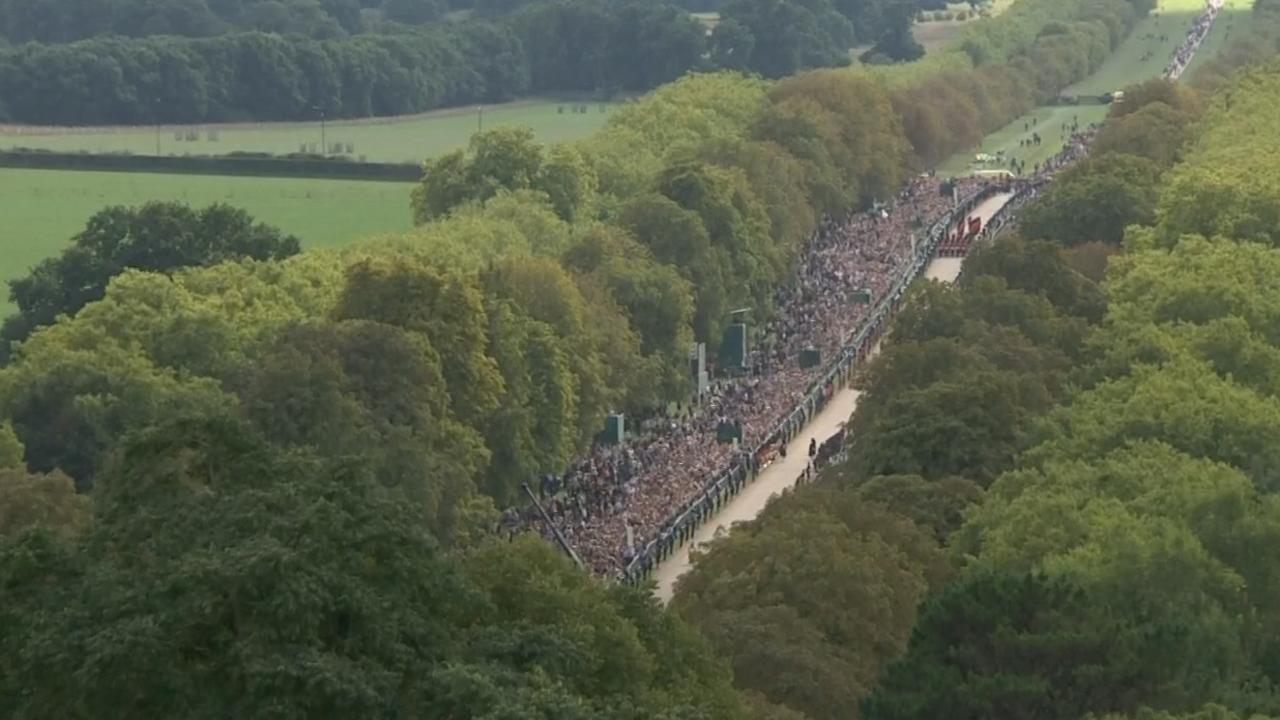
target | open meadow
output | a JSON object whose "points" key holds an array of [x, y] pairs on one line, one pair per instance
{"points": [[44, 208], [1144, 55], [410, 138], [1048, 121], [936, 34]]}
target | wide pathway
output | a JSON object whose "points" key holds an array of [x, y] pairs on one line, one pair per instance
{"points": [[784, 472]]}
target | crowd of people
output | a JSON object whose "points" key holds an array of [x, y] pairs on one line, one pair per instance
{"points": [[1186, 51], [610, 505]]}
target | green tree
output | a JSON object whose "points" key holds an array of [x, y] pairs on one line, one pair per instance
{"points": [[1023, 646], [12, 454], [812, 599], [47, 502], [937, 505], [360, 389], [1156, 132], [449, 310], [677, 237], [786, 36], [157, 236], [71, 406], [1041, 268], [228, 611], [1095, 201], [1182, 403]]}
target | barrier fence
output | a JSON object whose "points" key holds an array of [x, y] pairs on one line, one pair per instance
{"points": [[743, 470]]}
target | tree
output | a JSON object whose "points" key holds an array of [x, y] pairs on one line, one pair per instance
{"points": [[737, 227], [566, 43], [809, 623], [249, 614], [651, 45], [157, 236], [409, 293], [499, 161], [657, 299], [938, 505], [1041, 268], [677, 237], [781, 37], [47, 502], [1228, 183], [1095, 201], [897, 43], [1023, 646], [971, 426], [732, 45], [1182, 403], [568, 181], [360, 389], [954, 393], [1194, 531], [574, 375], [72, 406], [12, 454], [1156, 132], [1209, 712], [1156, 91], [862, 135]]}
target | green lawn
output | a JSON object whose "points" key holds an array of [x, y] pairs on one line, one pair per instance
{"points": [[1173, 19], [401, 139], [1124, 67], [44, 208], [1049, 121], [1234, 16]]}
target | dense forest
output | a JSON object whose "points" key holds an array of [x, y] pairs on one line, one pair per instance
{"points": [[186, 61], [241, 480], [132, 62]]}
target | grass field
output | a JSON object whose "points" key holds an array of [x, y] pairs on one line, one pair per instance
{"points": [[1048, 122], [1174, 18], [1124, 67], [402, 139], [44, 208], [937, 34]]}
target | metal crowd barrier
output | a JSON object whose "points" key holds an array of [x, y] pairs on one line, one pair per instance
{"points": [[682, 525]]}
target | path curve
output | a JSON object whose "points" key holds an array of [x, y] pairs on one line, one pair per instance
{"points": [[783, 472]]}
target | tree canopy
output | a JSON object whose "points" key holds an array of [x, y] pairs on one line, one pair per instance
{"points": [[157, 236]]}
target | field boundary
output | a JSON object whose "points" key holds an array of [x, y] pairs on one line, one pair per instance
{"points": [[21, 129], [310, 168]]}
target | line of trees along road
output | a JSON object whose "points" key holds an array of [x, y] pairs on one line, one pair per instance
{"points": [[1059, 498], [293, 465], [563, 46], [267, 71], [62, 21]]}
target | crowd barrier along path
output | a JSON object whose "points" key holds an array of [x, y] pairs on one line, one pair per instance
{"points": [[820, 424], [743, 490]]}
